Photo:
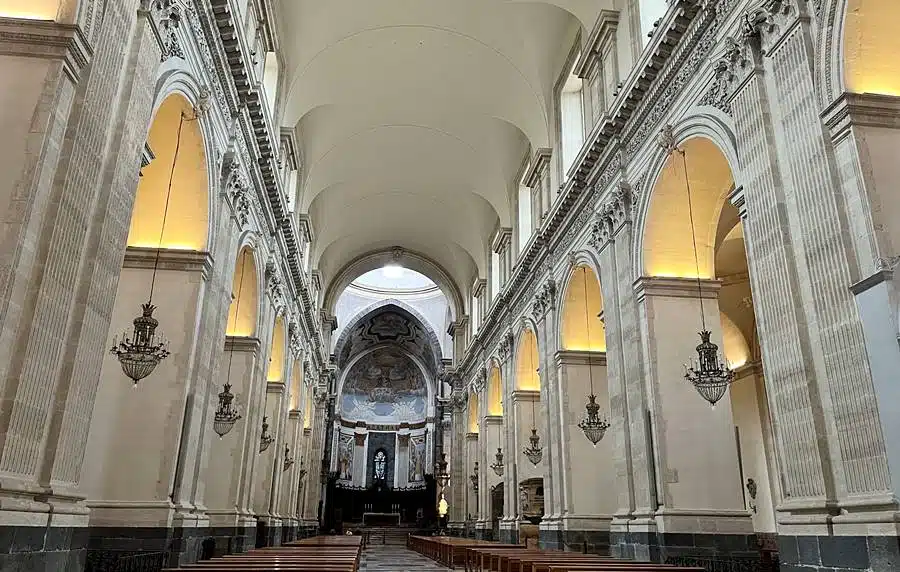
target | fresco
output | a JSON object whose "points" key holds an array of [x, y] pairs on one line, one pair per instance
{"points": [[345, 457], [416, 459], [386, 387]]}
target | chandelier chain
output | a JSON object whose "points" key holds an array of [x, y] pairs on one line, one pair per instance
{"points": [[687, 184]]}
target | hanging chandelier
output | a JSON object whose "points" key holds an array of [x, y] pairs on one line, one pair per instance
{"points": [[265, 439], [593, 425], [141, 352], [710, 374], [226, 414], [497, 465], [288, 460], [440, 471], [474, 477], [533, 452]]}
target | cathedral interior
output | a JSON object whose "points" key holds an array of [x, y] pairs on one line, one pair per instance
{"points": [[385, 281]]}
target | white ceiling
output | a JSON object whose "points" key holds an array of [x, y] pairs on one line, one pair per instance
{"points": [[414, 117]]}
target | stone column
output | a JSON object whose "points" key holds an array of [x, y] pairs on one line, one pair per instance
{"points": [[265, 488], [612, 236], [360, 456], [545, 315], [456, 459], [690, 502], [493, 438], [472, 453], [588, 479], [509, 522]]}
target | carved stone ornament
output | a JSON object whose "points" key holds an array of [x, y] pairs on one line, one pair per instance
{"points": [[275, 285], [544, 299], [480, 380], [459, 400], [237, 191], [167, 18], [505, 348]]}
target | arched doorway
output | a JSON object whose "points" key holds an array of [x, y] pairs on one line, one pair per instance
{"points": [[588, 484], [135, 436], [697, 277]]}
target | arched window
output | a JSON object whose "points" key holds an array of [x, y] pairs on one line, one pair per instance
{"points": [[524, 216], [380, 465], [571, 110]]}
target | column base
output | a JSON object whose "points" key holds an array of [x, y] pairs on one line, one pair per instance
{"points": [[508, 531], [586, 534]]}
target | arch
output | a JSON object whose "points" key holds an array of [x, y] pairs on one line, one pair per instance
{"points": [[473, 413], [408, 259], [296, 384], [582, 328], [275, 372], [308, 408], [400, 306], [869, 47], [495, 391], [667, 247], [176, 219], [527, 362], [243, 313]]}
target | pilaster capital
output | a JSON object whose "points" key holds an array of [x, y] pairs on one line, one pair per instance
{"points": [[502, 240], [458, 400], [505, 347], [771, 21], [275, 285], [479, 381], [478, 287], [539, 164], [165, 19], [236, 189], [544, 299]]}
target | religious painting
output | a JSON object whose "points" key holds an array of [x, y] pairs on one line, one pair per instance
{"points": [[345, 457], [416, 459], [385, 386]]}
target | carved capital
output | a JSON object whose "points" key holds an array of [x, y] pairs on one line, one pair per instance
{"points": [[480, 380], [505, 348], [166, 18], [544, 300]]}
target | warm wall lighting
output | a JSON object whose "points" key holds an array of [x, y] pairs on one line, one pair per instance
{"points": [[29, 9]]}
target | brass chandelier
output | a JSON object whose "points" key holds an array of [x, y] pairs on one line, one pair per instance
{"points": [[593, 425], [474, 477], [533, 452], [497, 466], [226, 414], [265, 438], [140, 352], [710, 374]]}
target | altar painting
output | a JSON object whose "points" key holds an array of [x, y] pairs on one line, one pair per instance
{"points": [[416, 459], [345, 457]]}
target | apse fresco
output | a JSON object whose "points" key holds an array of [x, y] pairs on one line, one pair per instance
{"points": [[385, 387]]}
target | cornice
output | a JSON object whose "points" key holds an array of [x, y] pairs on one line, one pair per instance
{"points": [[168, 259], [604, 30], [241, 344], [46, 40], [539, 162]]}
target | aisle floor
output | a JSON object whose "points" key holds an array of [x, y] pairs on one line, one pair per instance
{"points": [[396, 559]]}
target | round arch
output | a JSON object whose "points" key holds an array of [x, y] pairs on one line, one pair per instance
{"points": [[527, 361], [474, 413], [494, 391], [172, 202], [243, 312], [711, 154], [581, 323], [409, 259], [430, 379], [867, 43], [275, 372]]}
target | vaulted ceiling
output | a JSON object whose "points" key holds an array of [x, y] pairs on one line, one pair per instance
{"points": [[414, 118]]}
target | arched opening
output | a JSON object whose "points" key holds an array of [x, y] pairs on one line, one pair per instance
{"points": [[582, 320], [270, 81], [527, 363], [871, 45], [308, 409], [695, 184], [495, 392], [296, 385], [473, 413], [276, 355], [171, 207], [244, 308], [132, 432]]}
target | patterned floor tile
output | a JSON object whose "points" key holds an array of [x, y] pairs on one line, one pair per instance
{"points": [[396, 559]]}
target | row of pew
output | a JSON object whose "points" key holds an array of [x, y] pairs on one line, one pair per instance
{"points": [[316, 554], [486, 556]]}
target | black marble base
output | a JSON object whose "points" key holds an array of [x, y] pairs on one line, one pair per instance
{"points": [[839, 553], [132, 549], [586, 541], [714, 552], [550, 539], [484, 534], [508, 536]]}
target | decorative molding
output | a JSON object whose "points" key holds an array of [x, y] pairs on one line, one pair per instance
{"points": [[165, 20], [544, 300], [48, 40], [241, 344], [168, 259], [505, 347]]}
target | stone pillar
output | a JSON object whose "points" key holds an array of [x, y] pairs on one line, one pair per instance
{"points": [[456, 459], [587, 479], [690, 502], [508, 523], [472, 454], [612, 236], [360, 456], [493, 438], [268, 474], [501, 246], [545, 315]]}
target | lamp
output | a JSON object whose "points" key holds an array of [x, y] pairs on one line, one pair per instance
{"points": [[288, 460], [593, 425], [474, 477], [141, 352], [709, 375], [533, 452], [440, 471], [226, 414], [498, 465], [265, 439]]}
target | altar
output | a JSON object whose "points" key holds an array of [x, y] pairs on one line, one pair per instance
{"points": [[381, 518]]}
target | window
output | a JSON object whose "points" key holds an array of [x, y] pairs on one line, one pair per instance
{"points": [[524, 216], [495, 275], [270, 81], [571, 109], [380, 465], [475, 316], [650, 12]]}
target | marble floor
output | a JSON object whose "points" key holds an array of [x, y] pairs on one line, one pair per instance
{"points": [[396, 559]]}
